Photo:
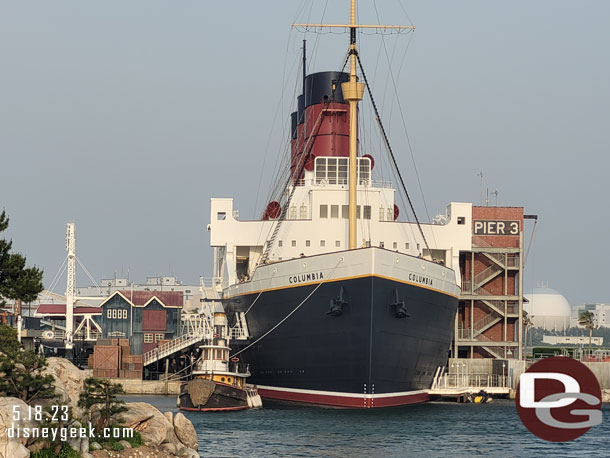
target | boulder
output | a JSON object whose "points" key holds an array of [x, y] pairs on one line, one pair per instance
{"points": [[170, 417], [170, 448], [69, 381], [12, 444], [126, 445], [185, 431], [186, 452], [95, 446], [153, 426]]}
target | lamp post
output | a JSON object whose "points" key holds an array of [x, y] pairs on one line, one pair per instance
{"points": [[464, 375]]}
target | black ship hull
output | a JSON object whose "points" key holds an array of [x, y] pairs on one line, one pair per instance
{"points": [[382, 349]]}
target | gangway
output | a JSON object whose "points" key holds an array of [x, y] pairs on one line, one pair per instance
{"points": [[173, 346], [195, 328]]}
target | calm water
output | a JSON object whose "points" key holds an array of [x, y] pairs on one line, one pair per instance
{"points": [[433, 429]]}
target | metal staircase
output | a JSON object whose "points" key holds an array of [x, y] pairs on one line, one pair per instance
{"points": [[485, 323], [486, 276], [497, 353], [173, 346]]}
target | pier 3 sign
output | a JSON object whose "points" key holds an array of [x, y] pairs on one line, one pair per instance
{"points": [[558, 399], [488, 227]]}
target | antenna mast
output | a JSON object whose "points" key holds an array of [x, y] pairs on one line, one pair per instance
{"points": [[70, 282]]}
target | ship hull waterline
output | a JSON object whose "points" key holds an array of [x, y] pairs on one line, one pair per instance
{"points": [[393, 331]]}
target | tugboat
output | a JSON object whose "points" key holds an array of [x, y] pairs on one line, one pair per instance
{"points": [[218, 384]]}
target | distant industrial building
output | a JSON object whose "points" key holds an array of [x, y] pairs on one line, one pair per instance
{"points": [[572, 340], [601, 314], [548, 309]]}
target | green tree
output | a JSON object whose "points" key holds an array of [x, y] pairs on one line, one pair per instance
{"points": [[17, 282], [587, 320], [21, 371], [527, 324], [99, 399]]}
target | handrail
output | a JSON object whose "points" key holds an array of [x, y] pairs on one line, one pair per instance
{"points": [[172, 346]]}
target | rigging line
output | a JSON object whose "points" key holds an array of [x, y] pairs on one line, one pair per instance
{"points": [[387, 142], [301, 166], [292, 312], [88, 274], [404, 11], [316, 42], [56, 277], [274, 228], [408, 138], [280, 104], [277, 110], [259, 295], [529, 246]]}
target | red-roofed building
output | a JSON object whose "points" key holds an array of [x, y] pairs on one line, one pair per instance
{"points": [[85, 324], [59, 310]]}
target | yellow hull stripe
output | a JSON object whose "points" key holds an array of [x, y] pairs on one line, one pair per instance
{"points": [[342, 279]]}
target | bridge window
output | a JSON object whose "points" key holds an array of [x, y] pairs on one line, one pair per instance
{"points": [[294, 243], [345, 211], [337, 243], [334, 211], [293, 212], [280, 243], [381, 213], [323, 211], [390, 214], [364, 170], [303, 210], [322, 242], [307, 242], [335, 170], [395, 245], [367, 212], [220, 216]]}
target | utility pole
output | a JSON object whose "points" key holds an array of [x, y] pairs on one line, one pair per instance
{"points": [[70, 285]]}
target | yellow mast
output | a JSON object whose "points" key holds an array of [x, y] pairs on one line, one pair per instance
{"points": [[352, 92]]}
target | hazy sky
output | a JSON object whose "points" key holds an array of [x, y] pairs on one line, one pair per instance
{"points": [[126, 117]]}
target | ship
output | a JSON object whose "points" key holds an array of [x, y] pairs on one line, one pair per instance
{"points": [[217, 384], [331, 298]]}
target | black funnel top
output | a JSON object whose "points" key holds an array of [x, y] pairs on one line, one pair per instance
{"points": [[319, 87]]}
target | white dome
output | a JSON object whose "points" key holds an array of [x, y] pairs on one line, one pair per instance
{"points": [[548, 309]]}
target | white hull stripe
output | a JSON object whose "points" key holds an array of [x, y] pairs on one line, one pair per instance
{"points": [[342, 394]]}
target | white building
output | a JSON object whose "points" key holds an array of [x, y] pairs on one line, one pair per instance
{"points": [[572, 340], [601, 314], [548, 309]]}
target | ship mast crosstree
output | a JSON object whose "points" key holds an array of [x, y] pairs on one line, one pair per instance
{"points": [[353, 91]]}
